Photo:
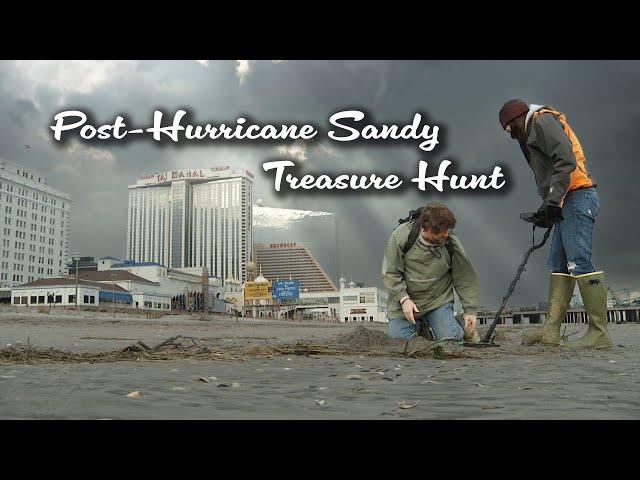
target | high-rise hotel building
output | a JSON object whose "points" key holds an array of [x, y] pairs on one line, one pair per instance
{"points": [[192, 218], [34, 226], [305, 238]]}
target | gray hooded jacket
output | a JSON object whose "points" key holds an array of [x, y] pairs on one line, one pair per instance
{"points": [[551, 156]]}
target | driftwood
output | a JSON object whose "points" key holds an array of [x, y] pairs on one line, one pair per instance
{"points": [[170, 341], [175, 348], [138, 351], [181, 347]]}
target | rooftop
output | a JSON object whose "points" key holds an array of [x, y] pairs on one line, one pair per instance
{"points": [[66, 281], [112, 275], [132, 263], [29, 177]]}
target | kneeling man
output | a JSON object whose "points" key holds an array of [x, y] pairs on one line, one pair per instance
{"points": [[421, 277]]}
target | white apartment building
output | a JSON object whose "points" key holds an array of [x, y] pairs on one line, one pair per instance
{"points": [[192, 218], [362, 304], [34, 226]]}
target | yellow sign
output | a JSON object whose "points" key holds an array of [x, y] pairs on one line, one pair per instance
{"points": [[257, 291]]}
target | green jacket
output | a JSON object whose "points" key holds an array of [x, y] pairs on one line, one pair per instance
{"points": [[425, 277]]}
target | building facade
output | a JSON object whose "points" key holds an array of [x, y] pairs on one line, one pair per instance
{"points": [[362, 304], [192, 219], [61, 292], [281, 261], [84, 264], [316, 230], [145, 294], [187, 290], [34, 226]]}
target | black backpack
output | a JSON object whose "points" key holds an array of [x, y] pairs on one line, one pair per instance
{"points": [[415, 231]]}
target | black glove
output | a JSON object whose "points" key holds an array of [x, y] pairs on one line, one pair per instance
{"points": [[547, 216], [554, 214]]}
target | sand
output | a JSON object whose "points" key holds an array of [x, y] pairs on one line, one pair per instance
{"points": [[373, 381]]}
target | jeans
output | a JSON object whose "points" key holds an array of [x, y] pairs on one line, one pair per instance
{"points": [[441, 320], [572, 237]]}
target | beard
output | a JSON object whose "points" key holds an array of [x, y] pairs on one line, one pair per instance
{"points": [[517, 133]]}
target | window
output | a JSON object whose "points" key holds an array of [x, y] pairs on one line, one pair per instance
{"points": [[24, 300], [86, 299], [346, 319], [371, 319], [72, 299], [92, 299], [34, 299], [58, 298], [16, 300], [41, 299]]}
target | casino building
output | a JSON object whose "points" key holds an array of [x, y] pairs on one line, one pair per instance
{"points": [[292, 260], [310, 237], [192, 219]]}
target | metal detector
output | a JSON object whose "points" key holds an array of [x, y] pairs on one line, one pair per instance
{"points": [[487, 341]]}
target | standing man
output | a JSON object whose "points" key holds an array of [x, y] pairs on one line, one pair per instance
{"points": [[420, 272], [570, 202]]}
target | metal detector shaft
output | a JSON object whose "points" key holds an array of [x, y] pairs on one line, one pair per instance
{"points": [[487, 337]]}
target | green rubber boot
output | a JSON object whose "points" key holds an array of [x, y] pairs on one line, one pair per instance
{"points": [[594, 297], [560, 291]]}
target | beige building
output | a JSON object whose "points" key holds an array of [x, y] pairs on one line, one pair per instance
{"points": [[281, 261]]}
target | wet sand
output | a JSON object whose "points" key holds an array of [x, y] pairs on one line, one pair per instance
{"points": [[510, 382]]}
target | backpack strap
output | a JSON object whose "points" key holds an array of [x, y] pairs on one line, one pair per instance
{"points": [[413, 236], [448, 244]]}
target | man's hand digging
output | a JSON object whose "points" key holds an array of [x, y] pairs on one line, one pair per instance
{"points": [[408, 308]]}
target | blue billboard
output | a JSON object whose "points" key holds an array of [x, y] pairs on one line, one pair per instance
{"points": [[285, 289]]}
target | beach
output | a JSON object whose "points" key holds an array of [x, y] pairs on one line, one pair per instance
{"points": [[265, 369]]}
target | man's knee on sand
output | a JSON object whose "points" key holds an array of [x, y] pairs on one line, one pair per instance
{"points": [[457, 333], [400, 328], [451, 331], [443, 326]]}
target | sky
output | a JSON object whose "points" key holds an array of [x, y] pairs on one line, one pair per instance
{"points": [[600, 98]]}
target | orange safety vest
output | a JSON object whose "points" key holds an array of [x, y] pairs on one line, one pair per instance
{"points": [[580, 176]]}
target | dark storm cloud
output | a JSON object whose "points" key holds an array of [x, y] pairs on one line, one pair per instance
{"points": [[601, 100], [22, 111]]}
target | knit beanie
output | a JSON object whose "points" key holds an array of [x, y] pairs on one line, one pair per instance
{"points": [[511, 110]]}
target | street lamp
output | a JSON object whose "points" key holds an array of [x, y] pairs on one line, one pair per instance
{"points": [[76, 258], [113, 293]]}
